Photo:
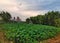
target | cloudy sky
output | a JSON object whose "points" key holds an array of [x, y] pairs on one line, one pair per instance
{"points": [[27, 8]]}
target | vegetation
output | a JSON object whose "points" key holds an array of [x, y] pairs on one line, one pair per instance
{"points": [[5, 16], [51, 18], [29, 33], [34, 32]]}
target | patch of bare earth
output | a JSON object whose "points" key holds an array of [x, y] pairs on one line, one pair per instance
{"points": [[3, 38], [52, 40]]}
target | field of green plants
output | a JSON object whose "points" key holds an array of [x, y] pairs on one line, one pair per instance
{"points": [[28, 33]]}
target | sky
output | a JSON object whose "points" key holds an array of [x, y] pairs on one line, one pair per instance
{"points": [[27, 8]]}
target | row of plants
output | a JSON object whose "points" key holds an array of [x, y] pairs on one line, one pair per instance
{"points": [[28, 33]]}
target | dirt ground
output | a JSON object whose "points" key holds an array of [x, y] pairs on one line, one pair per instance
{"points": [[3, 39], [54, 40]]}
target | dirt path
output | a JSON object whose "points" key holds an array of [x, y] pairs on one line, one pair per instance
{"points": [[54, 40], [3, 39]]}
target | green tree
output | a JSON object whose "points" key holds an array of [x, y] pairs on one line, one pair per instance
{"points": [[48, 19], [5, 15], [40, 19], [34, 20], [57, 22], [27, 20], [51, 16]]}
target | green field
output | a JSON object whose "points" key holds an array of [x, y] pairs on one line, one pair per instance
{"points": [[28, 33]]}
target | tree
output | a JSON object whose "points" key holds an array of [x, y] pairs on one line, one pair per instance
{"points": [[50, 18], [27, 20], [34, 20], [40, 19], [5, 15], [57, 22]]}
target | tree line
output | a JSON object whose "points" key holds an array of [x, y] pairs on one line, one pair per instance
{"points": [[51, 18], [6, 17]]}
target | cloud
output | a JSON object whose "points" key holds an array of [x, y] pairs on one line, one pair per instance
{"points": [[27, 8], [36, 4]]}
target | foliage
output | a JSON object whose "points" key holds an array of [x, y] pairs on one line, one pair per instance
{"points": [[5, 15], [57, 22], [50, 17], [28, 33], [47, 19], [28, 20]]}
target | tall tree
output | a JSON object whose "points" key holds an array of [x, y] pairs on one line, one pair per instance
{"points": [[5, 15], [28, 20], [50, 18]]}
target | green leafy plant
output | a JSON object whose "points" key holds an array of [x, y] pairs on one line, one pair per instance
{"points": [[28, 33]]}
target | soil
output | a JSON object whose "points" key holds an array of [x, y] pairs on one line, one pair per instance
{"points": [[54, 40], [3, 38]]}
